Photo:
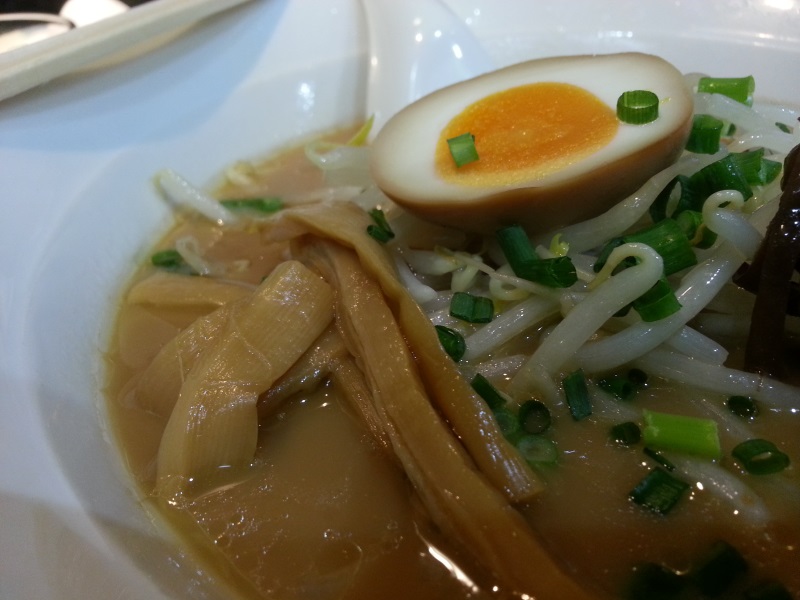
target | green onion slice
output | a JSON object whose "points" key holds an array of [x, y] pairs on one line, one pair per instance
{"points": [[679, 193], [724, 174], [659, 491], [760, 457], [577, 394], [681, 433], [452, 342], [637, 107], [665, 237], [483, 387], [169, 259], [537, 450], [256, 205], [739, 88], [534, 417], [471, 308], [705, 134], [558, 272], [657, 303], [462, 149], [626, 434], [507, 421], [743, 406], [380, 229], [691, 223]]}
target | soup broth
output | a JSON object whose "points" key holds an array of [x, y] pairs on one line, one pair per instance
{"points": [[324, 510]]}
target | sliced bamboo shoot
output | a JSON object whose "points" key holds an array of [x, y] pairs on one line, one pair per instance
{"points": [[467, 413], [173, 290], [458, 497], [215, 421]]}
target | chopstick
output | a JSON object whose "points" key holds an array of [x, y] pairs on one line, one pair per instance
{"points": [[29, 66]]}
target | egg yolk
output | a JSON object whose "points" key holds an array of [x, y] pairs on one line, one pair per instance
{"points": [[525, 133]]}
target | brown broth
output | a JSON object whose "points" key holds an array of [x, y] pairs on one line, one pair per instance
{"points": [[322, 512]]}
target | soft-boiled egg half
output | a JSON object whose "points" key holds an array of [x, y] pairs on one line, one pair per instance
{"points": [[550, 147]]}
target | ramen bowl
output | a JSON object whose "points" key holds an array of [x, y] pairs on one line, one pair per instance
{"points": [[80, 211]]}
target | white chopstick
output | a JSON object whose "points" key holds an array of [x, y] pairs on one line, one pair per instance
{"points": [[29, 66]]}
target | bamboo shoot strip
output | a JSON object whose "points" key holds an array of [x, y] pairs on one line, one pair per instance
{"points": [[215, 420], [450, 392], [458, 498]]}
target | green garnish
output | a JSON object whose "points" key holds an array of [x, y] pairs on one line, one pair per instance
{"points": [[626, 434], [577, 393], [637, 107], [379, 229], [471, 308], [462, 149], [738, 88], [659, 491], [705, 134], [760, 457], [558, 272], [256, 205], [488, 392], [681, 433], [452, 342]]}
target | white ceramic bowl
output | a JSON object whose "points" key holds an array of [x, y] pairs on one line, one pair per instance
{"points": [[78, 211]]}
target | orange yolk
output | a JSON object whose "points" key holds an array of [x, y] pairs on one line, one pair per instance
{"points": [[526, 133]]}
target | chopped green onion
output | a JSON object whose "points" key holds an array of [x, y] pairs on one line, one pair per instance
{"points": [[637, 107], [452, 342], [760, 457], [534, 417], [659, 491], [470, 308], [691, 223], [770, 169], [723, 174], [756, 169], [626, 434], [577, 393], [783, 127], [462, 149], [517, 249], [507, 421], [169, 259], [684, 434], [652, 581], [256, 205], [739, 88], [624, 387], [719, 570], [537, 450], [657, 303], [521, 256], [483, 387], [380, 229], [665, 237], [557, 272], [743, 406], [768, 590], [705, 135], [659, 458], [685, 198]]}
